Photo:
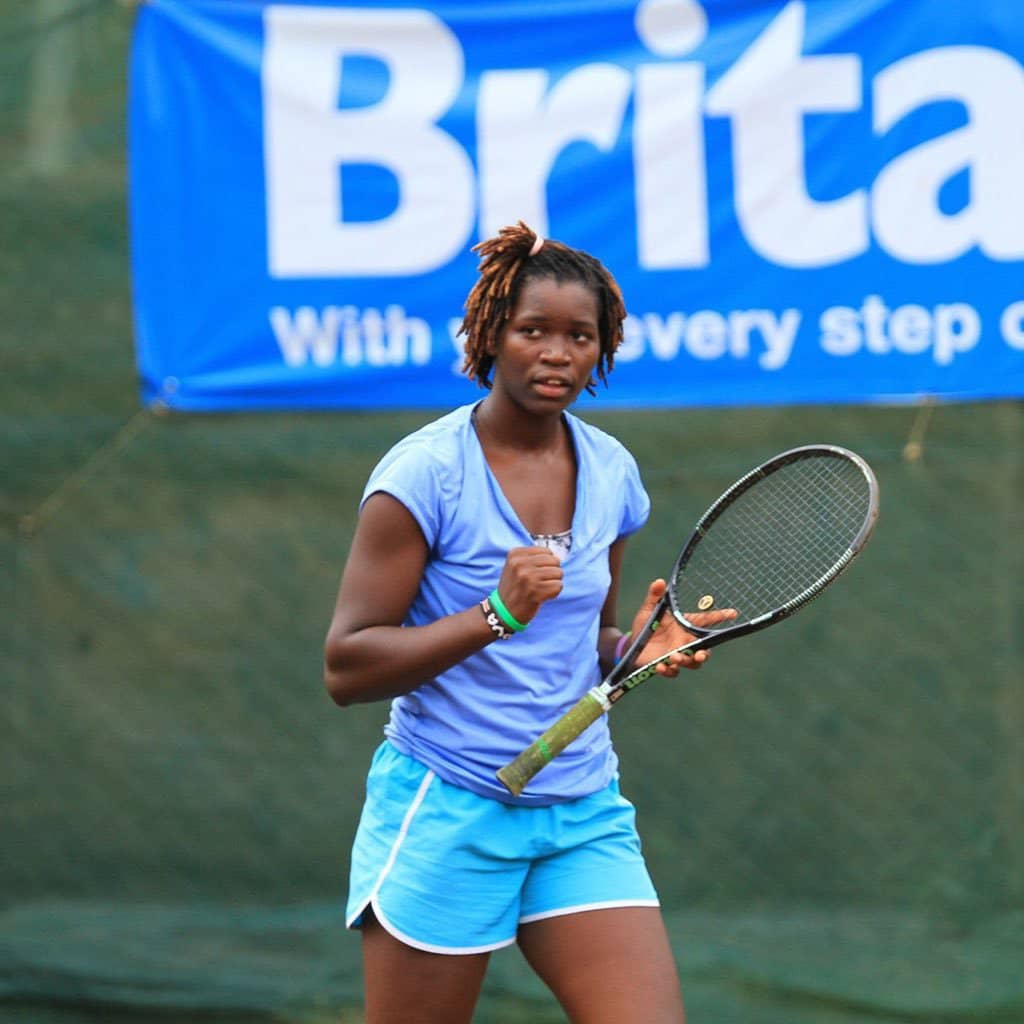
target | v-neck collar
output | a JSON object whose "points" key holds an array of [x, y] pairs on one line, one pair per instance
{"points": [[502, 499]]}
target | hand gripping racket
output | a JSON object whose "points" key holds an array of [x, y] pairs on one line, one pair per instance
{"points": [[771, 543]]}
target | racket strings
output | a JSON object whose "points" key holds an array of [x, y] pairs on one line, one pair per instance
{"points": [[777, 539]]}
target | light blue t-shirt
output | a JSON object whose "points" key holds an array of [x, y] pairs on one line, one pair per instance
{"points": [[472, 719]]}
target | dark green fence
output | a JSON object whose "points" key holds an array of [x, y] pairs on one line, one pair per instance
{"points": [[833, 810]]}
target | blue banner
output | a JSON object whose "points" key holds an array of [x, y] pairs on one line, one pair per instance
{"points": [[803, 201]]}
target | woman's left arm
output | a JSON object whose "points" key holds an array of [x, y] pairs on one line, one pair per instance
{"points": [[609, 633]]}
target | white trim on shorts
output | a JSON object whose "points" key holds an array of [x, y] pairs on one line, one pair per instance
{"points": [[583, 907], [373, 899], [426, 947], [403, 831]]}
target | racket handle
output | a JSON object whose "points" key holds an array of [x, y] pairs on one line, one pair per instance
{"points": [[587, 710]]}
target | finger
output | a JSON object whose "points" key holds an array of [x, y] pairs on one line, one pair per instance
{"points": [[676, 661], [548, 570], [528, 571], [541, 556], [687, 659], [528, 551], [655, 592], [520, 559], [711, 618]]}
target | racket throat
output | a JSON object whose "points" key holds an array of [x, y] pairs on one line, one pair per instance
{"points": [[605, 697], [635, 679]]}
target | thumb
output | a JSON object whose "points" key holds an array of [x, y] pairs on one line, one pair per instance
{"points": [[655, 592]]}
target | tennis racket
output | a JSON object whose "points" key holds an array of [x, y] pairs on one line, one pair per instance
{"points": [[771, 543]]}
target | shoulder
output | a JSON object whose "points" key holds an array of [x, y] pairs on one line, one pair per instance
{"points": [[433, 449], [609, 465], [424, 471], [595, 442]]}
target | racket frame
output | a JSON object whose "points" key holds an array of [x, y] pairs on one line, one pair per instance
{"points": [[623, 677]]}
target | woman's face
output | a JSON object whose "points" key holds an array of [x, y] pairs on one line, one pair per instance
{"points": [[550, 345]]}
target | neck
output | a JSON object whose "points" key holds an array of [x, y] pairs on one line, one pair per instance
{"points": [[503, 423]]}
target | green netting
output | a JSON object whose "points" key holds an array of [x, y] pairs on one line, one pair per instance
{"points": [[832, 810]]}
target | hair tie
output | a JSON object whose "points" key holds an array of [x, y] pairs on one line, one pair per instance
{"points": [[537, 243]]}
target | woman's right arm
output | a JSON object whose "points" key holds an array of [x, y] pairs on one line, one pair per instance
{"points": [[368, 654]]}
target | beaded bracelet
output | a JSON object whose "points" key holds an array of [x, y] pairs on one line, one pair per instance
{"points": [[498, 628], [506, 616]]}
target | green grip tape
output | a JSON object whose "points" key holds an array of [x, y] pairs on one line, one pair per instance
{"points": [[516, 774]]}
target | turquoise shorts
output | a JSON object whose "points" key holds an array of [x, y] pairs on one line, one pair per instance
{"points": [[448, 871]]}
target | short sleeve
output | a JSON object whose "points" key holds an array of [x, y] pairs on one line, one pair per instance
{"points": [[411, 476], [636, 504]]}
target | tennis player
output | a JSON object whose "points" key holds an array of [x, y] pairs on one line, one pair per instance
{"points": [[479, 596]]}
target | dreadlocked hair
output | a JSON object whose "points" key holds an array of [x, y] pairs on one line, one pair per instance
{"points": [[506, 264]]}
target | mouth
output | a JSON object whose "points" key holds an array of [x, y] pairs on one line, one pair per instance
{"points": [[552, 386]]}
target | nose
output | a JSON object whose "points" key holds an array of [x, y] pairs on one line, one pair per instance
{"points": [[556, 350]]}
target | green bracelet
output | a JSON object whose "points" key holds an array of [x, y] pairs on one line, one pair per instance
{"points": [[504, 614]]}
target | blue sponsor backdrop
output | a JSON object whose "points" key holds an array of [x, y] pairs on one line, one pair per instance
{"points": [[803, 202]]}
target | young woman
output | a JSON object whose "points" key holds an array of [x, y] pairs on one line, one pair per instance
{"points": [[504, 514]]}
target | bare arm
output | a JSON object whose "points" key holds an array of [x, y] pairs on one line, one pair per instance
{"points": [[609, 633], [368, 654]]}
